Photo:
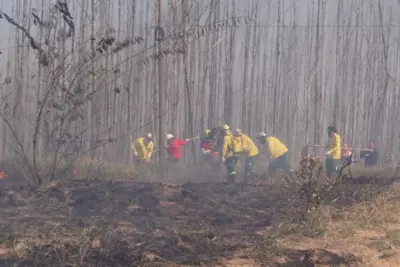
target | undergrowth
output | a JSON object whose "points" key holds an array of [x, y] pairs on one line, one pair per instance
{"points": [[336, 209], [85, 169], [318, 207]]}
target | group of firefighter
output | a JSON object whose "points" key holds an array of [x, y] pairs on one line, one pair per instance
{"points": [[221, 145]]}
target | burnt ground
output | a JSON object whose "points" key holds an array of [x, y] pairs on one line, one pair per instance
{"points": [[188, 224], [126, 223]]}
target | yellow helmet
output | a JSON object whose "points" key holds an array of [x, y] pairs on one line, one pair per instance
{"points": [[225, 126], [207, 132]]}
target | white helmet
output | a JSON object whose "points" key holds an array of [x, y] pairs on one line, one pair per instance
{"points": [[238, 131], [169, 136], [262, 134], [150, 136]]}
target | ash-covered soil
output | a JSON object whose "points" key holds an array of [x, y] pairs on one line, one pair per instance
{"points": [[127, 223], [191, 223]]}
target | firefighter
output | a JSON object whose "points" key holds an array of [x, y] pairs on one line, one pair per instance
{"points": [[370, 158], [231, 148], [206, 143], [251, 151], [174, 148], [217, 134], [346, 154], [277, 151], [334, 151], [206, 136], [143, 148], [207, 148]]}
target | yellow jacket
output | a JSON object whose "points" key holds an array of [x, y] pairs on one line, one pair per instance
{"points": [[334, 146], [144, 151], [232, 146], [248, 145], [275, 147]]}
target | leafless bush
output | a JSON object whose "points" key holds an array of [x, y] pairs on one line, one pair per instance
{"points": [[60, 109], [315, 188]]}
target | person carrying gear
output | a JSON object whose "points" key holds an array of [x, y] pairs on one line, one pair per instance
{"points": [[143, 148], [174, 148], [225, 127], [214, 133], [218, 135], [369, 158], [231, 148], [277, 151], [213, 137], [210, 155], [334, 151], [250, 149], [207, 134], [346, 153], [206, 143]]}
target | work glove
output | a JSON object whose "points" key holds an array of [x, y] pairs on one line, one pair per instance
{"points": [[135, 153], [223, 159], [327, 154], [187, 140]]}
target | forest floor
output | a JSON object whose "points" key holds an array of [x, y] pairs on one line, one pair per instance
{"points": [[130, 223]]}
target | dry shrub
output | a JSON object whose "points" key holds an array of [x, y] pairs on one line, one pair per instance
{"points": [[92, 169], [387, 244], [266, 248], [85, 169], [16, 172], [314, 187], [376, 213], [310, 207], [88, 169], [359, 170], [320, 202], [15, 167]]}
